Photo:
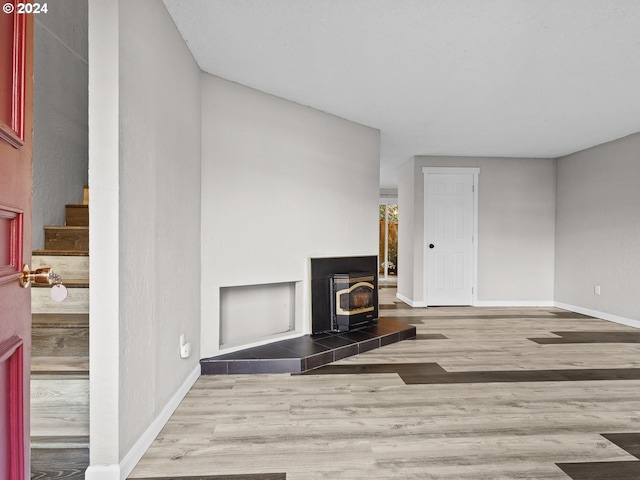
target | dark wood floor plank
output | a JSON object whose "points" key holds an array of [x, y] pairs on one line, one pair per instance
{"points": [[628, 470], [627, 441], [417, 369], [589, 337], [602, 470], [480, 316], [432, 373], [564, 375]]}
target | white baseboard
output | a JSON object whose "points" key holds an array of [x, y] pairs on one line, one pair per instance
{"points": [[102, 472], [131, 459], [514, 303], [410, 302], [134, 455], [488, 303], [630, 322]]}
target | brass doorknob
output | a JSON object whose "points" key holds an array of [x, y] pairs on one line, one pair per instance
{"points": [[42, 276]]}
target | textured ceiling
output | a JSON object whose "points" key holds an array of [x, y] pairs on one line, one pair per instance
{"points": [[523, 78]]}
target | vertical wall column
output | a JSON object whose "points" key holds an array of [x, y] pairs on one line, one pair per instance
{"points": [[104, 220]]}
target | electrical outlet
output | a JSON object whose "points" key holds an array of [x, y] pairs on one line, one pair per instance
{"points": [[185, 347], [185, 350], [596, 289]]}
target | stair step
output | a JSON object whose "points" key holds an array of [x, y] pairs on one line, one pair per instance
{"points": [[70, 342], [77, 215], [69, 267], [59, 365], [60, 463], [67, 282], [85, 195], [77, 300], [61, 253], [60, 320], [59, 404], [58, 442], [60, 349], [66, 238]]}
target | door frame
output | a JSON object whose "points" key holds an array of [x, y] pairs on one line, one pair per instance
{"points": [[475, 172]]}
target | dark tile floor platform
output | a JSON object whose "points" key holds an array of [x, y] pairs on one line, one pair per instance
{"points": [[308, 352]]}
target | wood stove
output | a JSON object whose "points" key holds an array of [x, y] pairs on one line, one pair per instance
{"points": [[353, 300]]}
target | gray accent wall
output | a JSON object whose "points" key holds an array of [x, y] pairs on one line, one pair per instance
{"points": [[598, 228], [516, 228], [60, 113]]}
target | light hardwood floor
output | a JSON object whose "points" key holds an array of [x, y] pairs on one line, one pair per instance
{"points": [[375, 426]]}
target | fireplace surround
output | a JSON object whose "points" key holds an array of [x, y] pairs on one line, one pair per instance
{"points": [[344, 293]]}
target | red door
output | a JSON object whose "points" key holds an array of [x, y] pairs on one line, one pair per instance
{"points": [[16, 74]]}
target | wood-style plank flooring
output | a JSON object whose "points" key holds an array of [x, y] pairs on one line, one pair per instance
{"points": [[479, 394], [59, 463]]}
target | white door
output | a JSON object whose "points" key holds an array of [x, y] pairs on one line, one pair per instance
{"points": [[449, 237]]}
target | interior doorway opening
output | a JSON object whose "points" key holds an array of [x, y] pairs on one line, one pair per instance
{"points": [[388, 250]]}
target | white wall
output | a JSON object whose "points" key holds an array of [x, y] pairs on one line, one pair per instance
{"points": [[145, 237], [281, 182], [598, 228], [60, 109], [516, 229], [407, 224], [104, 332]]}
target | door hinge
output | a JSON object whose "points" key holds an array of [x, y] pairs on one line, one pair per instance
{"points": [[473, 188]]}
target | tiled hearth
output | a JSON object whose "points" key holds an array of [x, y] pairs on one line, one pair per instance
{"points": [[308, 352]]}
